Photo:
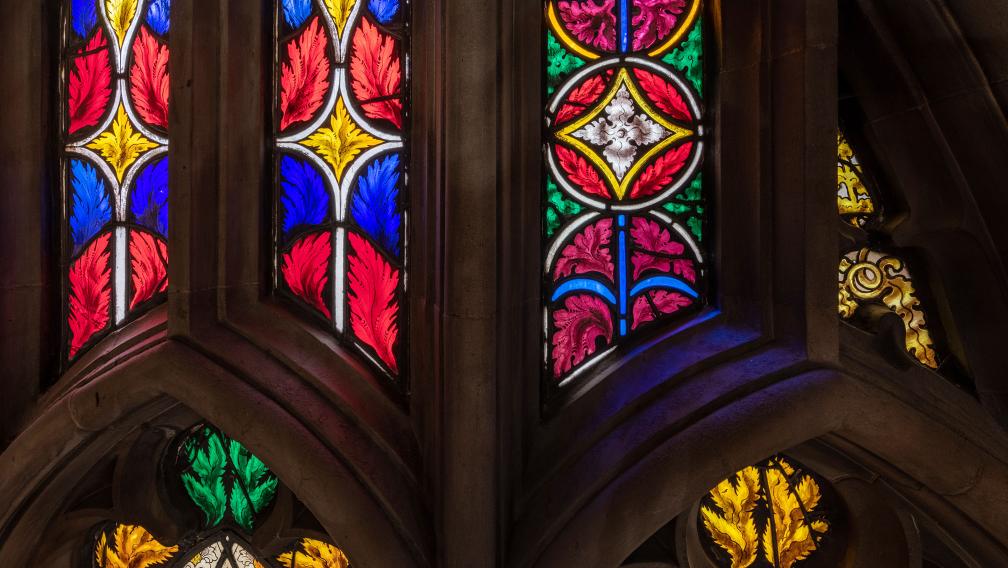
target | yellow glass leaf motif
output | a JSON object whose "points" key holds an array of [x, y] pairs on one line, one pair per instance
{"points": [[870, 277], [120, 14], [764, 513], [340, 12], [794, 539], [314, 554], [735, 530], [132, 547], [342, 141], [854, 202], [121, 145]]}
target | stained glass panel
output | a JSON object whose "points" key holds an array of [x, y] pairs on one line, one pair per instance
{"points": [[775, 513], [224, 479], [854, 201], [341, 119], [623, 201], [114, 163], [869, 277]]}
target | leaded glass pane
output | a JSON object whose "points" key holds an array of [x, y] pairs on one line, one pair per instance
{"points": [[341, 118], [115, 164], [624, 210]]}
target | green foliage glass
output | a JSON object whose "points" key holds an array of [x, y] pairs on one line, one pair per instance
{"points": [[222, 477], [688, 56]]}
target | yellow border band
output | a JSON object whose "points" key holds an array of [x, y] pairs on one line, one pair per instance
{"points": [[573, 44], [687, 25], [570, 42]]}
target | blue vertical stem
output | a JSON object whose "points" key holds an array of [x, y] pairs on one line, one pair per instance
{"points": [[622, 260], [624, 18]]}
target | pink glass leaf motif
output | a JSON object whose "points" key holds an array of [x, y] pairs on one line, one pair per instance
{"points": [[665, 302], [588, 253], [655, 20], [578, 327], [650, 237], [590, 22]]}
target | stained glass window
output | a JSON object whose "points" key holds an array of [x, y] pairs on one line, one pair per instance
{"points": [[233, 490], [114, 163], [132, 546], [869, 277], [854, 200], [772, 514], [623, 200], [341, 119]]}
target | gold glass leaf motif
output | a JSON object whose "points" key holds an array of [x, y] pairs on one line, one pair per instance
{"points": [[868, 276], [342, 141], [121, 145], [854, 202], [314, 554], [120, 14], [791, 536], [735, 530], [340, 12], [765, 514], [132, 547]]}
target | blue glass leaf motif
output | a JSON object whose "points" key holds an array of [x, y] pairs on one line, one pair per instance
{"points": [[305, 200], [383, 10], [159, 16], [375, 207], [150, 197], [296, 11], [83, 16], [91, 209]]}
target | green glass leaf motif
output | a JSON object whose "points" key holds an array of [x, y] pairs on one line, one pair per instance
{"points": [[205, 479], [221, 481], [688, 205], [688, 57], [254, 485], [561, 63], [559, 207]]}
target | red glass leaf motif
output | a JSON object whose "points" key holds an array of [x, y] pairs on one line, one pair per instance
{"points": [[655, 20], [591, 22], [376, 73], [149, 257], [583, 95], [580, 172], [149, 79], [305, 269], [664, 301], [578, 327], [650, 237], [664, 95], [372, 302], [661, 172], [90, 293], [304, 77], [90, 85], [588, 253]]}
